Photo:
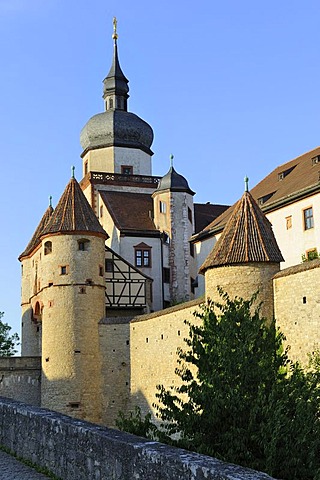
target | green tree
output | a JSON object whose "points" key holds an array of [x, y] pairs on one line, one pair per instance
{"points": [[7, 342], [240, 398]]}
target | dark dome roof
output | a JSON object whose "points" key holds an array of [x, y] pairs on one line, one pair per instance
{"points": [[175, 182], [117, 128]]}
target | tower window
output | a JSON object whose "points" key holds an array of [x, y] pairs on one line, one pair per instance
{"points": [[111, 103], [101, 270], [190, 214], [83, 245], [142, 255], [64, 270], [191, 249], [47, 248], [308, 218], [86, 167], [101, 211], [162, 207], [166, 275], [126, 170]]}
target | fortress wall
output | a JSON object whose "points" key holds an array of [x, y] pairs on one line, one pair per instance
{"points": [[154, 340], [76, 450], [243, 281], [20, 378], [297, 308]]}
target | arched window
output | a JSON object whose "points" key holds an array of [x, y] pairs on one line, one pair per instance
{"points": [[47, 248], [111, 103]]}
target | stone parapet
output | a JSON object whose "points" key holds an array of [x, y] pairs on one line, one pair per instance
{"points": [[77, 450]]}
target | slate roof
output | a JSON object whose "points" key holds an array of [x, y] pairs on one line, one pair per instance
{"points": [[205, 213], [130, 211], [247, 237], [35, 239], [292, 180], [73, 213], [175, 182]]}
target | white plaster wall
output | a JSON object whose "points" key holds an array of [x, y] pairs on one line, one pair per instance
{"points": [[202, 250], [296, 241], [127, 251]]}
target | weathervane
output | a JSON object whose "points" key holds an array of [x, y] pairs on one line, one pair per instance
{"points": [[115, 23], [246, 183], [171, 160]]}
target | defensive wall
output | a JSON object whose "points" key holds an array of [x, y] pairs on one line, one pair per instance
{"points": [[20, 378], [77, 450]]}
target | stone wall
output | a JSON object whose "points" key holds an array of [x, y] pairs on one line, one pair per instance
{"points": [[297, 308], [77, 450], [20, 378]]}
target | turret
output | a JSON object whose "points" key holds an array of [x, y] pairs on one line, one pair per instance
{"points": [[174, 216], [245, 257]]}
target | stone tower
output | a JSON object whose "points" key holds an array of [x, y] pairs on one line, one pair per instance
{"points": [[245, 258], [65, 271], [174, 216]]}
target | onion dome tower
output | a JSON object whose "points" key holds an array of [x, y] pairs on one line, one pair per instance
{"points": [[116, 137], [174, 216], [245, 257]]}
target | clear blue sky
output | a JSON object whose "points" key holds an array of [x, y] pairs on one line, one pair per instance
{"points": [[230, 87]]}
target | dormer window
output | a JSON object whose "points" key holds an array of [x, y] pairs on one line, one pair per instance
{"points": [[265, 198], [284, 173], [315, 160]]}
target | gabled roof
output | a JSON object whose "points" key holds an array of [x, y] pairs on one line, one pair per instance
{"points": [[247, 237], [73, 213], [35, 240], [286, 183], [205, 213], [130, 211]]}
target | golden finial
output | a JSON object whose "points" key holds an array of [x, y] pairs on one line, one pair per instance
{"points": [[115, 23]]}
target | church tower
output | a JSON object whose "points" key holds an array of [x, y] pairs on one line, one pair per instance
{"points": [[245, 257], [174, 216], [116, 141], [66, 298]]}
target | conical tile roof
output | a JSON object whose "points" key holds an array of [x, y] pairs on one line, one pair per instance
{"points": [[73, 213], [247, 237], [35, 240]]}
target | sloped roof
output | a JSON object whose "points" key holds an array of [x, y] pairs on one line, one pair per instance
{"points": [[73, 213], [35, 240], [205, 213], [283, 185], [247, 237], [175, 182], [130, 211]]}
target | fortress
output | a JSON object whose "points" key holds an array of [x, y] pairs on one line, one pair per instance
{"points": [[111, 273]]}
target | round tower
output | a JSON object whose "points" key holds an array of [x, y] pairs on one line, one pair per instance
{"points": [[174, 216], [73, 296], [245, 257]]}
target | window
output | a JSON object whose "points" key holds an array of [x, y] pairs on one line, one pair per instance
{"points": [[47, 248], [289, 222], [315, 160], [126, 169], [83, 245], [142, 255], [63, 270], [166, 275], [101, 211], [162, 207], [193, 284], [190, 214], [101, 270], [308, 218], [191, 249], [111, 103], [86, 168], [109, 265]]}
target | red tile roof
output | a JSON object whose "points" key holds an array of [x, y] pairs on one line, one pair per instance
{"points": [[283, 185], [247, 237], [130, 211], [35, 240], [73, 213]]}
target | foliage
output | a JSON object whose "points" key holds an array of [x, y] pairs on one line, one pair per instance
{"points": [[240, 398], [7, 342], [312, 255], [135, 424]]}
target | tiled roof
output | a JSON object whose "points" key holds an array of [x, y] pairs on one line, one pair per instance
{"points": [[73, 213], [35, 240], [247, 237], [282, 185], [205, 213], [130, 211]]}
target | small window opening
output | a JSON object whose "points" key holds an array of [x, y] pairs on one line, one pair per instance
{"points": [[109, 265], [190, 214], [83, 245], [288, 222], [162, 207], [166, 275], [308, 218], [126, 170], [74, 404], [47, 248], [101, 270], [304, 299], [63, 270]]}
